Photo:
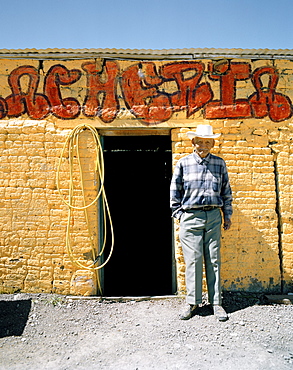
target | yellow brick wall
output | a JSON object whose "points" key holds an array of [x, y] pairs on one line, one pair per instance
{"points": [[33, 219]]}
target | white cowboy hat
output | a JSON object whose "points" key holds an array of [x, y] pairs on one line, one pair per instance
{"points": [[204, 131]]}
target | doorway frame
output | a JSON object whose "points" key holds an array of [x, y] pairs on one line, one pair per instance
{"points": [[141, 132]]}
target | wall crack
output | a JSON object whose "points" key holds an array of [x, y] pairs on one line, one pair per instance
{"points": [[279, 216]]}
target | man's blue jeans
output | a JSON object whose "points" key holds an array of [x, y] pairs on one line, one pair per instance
{"points": [[200, 237]]}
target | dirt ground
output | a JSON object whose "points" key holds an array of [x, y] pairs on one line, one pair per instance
{"points": [[43, 331]]}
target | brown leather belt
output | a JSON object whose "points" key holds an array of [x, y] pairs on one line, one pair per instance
{"points": [[203, 208]]}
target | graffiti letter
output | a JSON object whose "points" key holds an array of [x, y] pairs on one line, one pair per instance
{"points": [[18, 103], [57, 75], [190, 95], [142, 96], [3, 108], [107, 109], [265, 101], [228, 106]]}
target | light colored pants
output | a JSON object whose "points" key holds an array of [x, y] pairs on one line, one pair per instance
{"points": [[200, 237]]}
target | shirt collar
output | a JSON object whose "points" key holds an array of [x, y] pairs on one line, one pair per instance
{"points": [[200, 160]]}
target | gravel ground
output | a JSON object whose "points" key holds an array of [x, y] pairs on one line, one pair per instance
{"points": [[45, 331]]}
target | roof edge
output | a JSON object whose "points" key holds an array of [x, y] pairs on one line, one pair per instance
{"points": [[192, 53]]}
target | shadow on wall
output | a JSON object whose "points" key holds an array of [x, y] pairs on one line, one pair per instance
{"points": [[13, 317], [250, 253]]}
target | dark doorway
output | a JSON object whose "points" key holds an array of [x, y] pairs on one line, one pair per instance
{"points": [[13, 317], [137, 179]]}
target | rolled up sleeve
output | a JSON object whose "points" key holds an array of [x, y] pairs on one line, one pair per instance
{"points": [[176, 192]]}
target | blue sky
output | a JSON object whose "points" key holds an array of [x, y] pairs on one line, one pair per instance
{"points": [[150, 24]]}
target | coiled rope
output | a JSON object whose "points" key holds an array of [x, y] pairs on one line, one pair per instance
{"points": [[71, 145]]}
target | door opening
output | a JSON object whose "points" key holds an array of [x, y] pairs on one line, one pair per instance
{"points": [[137, 179]]}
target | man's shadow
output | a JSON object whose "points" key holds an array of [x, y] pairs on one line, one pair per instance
{"points": [[237, 301], [234, 301], [13, 317]]}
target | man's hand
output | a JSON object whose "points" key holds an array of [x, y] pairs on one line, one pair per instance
{"points": [[227, 224]]}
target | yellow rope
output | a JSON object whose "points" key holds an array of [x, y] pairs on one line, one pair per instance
{"points": [[72, 145]]}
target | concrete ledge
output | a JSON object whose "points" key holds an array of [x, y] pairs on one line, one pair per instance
{"points": [[123, 299], [283, 299]]}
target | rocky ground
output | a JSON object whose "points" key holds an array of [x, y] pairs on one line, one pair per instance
{"points": [[55, 332]]}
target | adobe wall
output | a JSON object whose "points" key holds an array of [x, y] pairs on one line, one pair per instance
{"points": [[33, 219], [249, 102]]}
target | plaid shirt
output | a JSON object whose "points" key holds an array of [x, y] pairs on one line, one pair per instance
{"points": [[199, 182]]}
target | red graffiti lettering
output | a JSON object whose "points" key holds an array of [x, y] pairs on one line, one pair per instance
{"points": [[265, 101], [107, 107], [3, 108], [191, 95], [140, 86], [228, 106], [58, 75], [152, 95], [19, 102]]}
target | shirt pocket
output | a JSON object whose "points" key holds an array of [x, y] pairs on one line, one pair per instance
{"points": [[216, 184]]}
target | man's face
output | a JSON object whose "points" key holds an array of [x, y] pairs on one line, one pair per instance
{"points": [[203, 146]]}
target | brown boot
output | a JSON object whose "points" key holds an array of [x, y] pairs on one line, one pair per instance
{"points": [[189, 312], [220, 313]]}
